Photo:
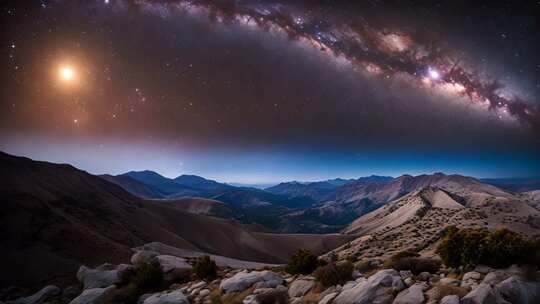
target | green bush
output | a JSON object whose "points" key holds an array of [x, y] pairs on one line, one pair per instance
{"points": [[415, 264], [334, 273], [302, 262], [147, 277], [365, 266], [205, 268], [500, 248]]}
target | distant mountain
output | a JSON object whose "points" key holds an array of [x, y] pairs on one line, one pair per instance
{"points": [[134, 186], [317, 191], [164, 185], [197, 182], [55, 218], [514, 184]]}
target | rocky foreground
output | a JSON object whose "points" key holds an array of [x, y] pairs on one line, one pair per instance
{"points": [[266, 284]]}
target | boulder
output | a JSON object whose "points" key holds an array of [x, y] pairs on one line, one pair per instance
{"points": [[495, 277], [143, 256], [328, 298], [171, 263], [483, 269], [424, 276], [411, 295], [167, 297], [204, 292], [378, 288], [95, 296], [451, 299], [517, 290], [243, 280], [471, 279], [405, 274], [102, 276], [40, 296], [300, 287], [483, 294]]}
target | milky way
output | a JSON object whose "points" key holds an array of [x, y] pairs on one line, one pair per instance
{"points": [[380, 51]]}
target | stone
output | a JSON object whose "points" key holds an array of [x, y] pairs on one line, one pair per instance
{"points": [[405, 274], [39, 297], [495, 277], [204, 292], [471, 279], [424, 276], [143, 256], [483, 269], [170, 263], [95, 295], [103, 276], [167, 297], [483, 294], [328, 298], [517, 290], [378, 288], [251, 299], [411, 295], [244, 280], [409, 281], [451, 299], [300, 287]]}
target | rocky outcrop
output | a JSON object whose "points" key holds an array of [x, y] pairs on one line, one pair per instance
{"points": [[376, 289], [244, 280], [167, 297], [300, 287], [102, 276], [40, 296], [411, 295], [451, 299], [170, 263], [517, 290], [143, 256], [95, 296], [483, 294]]}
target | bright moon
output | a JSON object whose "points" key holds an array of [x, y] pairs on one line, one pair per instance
{"points": [[67, 73]]}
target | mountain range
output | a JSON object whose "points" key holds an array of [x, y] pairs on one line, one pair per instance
{"points": [[55, 217]]}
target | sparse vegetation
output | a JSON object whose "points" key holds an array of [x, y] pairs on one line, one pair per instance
{"points": [[148, 277], [498, 249], [442, 290], [273, 297], [411, 261], [334, 273], [205, 268], [302, 262]]}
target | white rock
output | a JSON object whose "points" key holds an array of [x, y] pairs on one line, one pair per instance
{"points": [[409, 281], [143, 256], [204, 292], [472, 275], [300, 287], [251, 299], [483, 269], [102, 276], [495, 277], [94, 296], [40, 296], [171, 297], [376, 289], [327, 299], [244, 280], [451, 299], [411, 295], [516, 290], [170, 263], [483, 294]]}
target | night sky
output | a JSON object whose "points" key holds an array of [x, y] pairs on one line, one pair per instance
{"points": [[266, 91]]}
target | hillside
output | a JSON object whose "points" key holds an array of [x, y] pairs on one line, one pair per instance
{"points": [[417, 220], [56, 217]]}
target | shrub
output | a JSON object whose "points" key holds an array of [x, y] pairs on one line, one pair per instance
{"points": [[333, 274], [205, 268], [365, 266], [302, 262], [500, 248], [147, 277], [415, 264]]}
